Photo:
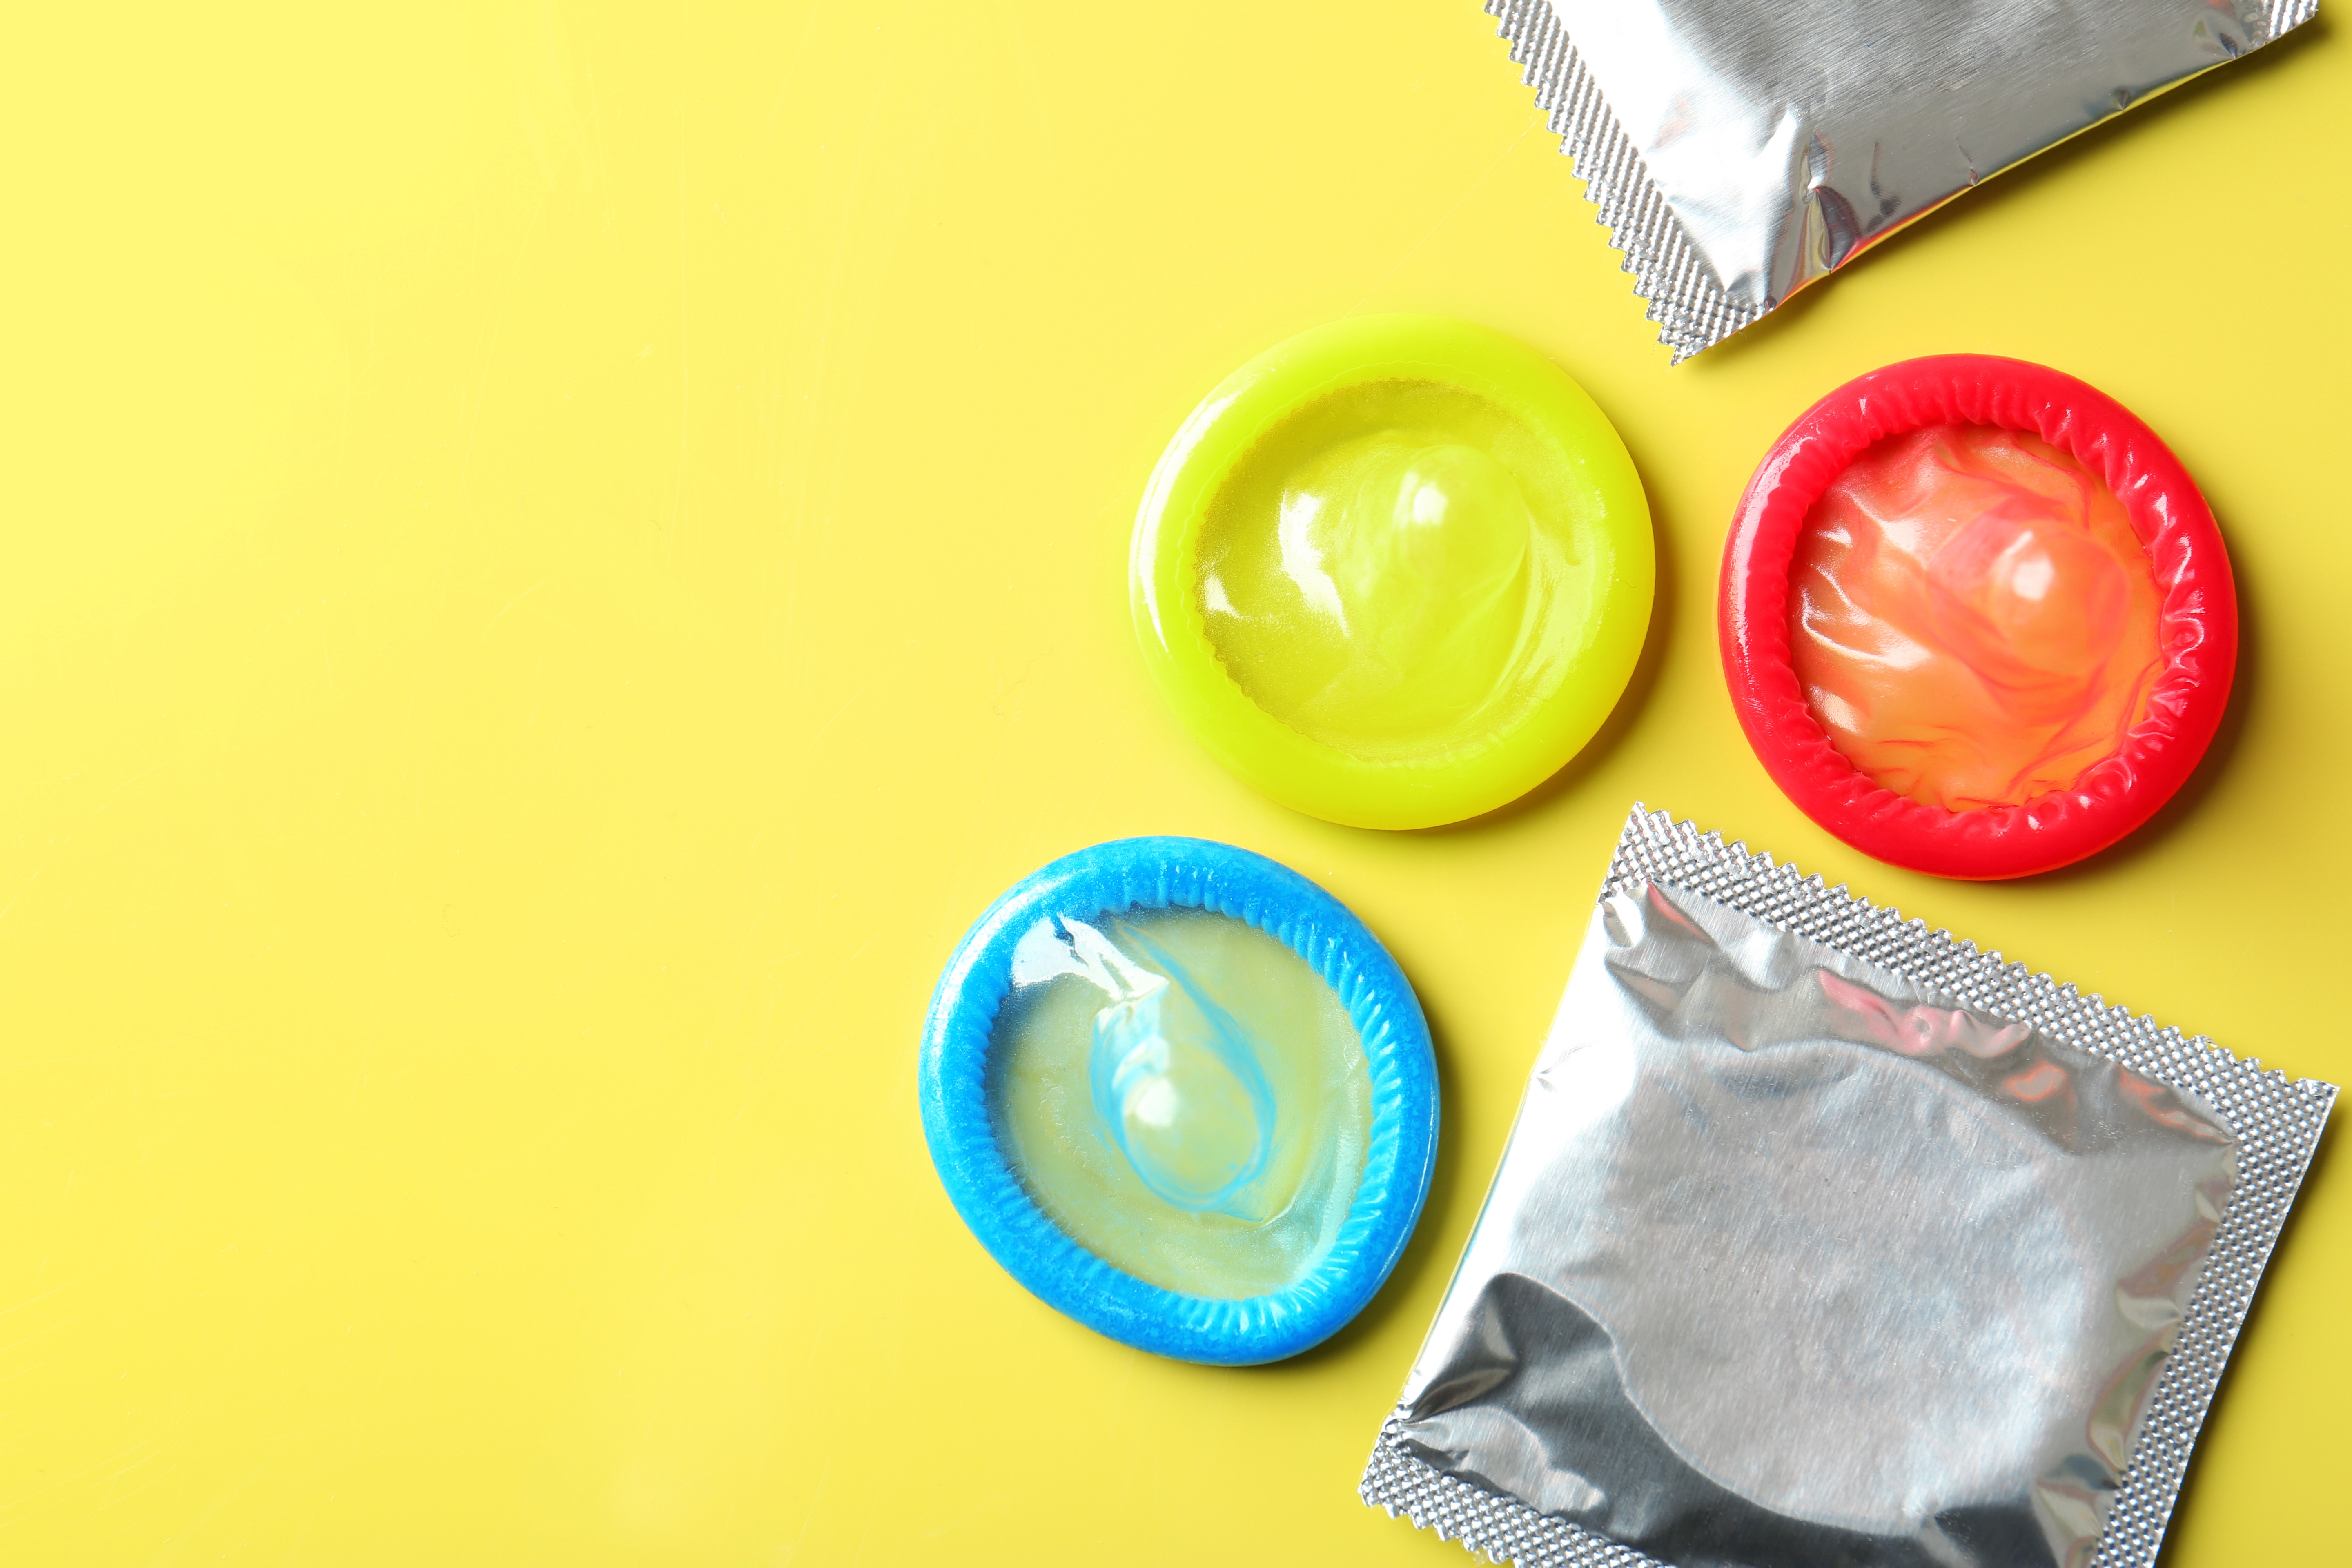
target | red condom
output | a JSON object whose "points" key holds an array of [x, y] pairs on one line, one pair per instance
{"points": [[2197, 618]]}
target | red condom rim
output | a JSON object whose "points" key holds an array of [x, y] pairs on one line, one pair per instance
{"points": [[2197, 626]]}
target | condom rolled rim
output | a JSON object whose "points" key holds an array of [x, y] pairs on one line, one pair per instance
{"points": [[1478, 773], [2197, 618], [1400, 1152]]}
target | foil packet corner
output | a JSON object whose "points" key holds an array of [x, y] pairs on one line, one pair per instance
{"points": [[1822, 1238], [1737, 155]]}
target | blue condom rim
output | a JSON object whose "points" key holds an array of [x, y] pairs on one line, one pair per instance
{"points": [[1401, 1156]]}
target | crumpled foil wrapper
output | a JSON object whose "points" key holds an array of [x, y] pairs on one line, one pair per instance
{"points": [[1821, 1239], [1739, 150]]}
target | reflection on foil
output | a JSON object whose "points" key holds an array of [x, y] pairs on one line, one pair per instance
{"points": [[1791, 1262], [1738, 151]]}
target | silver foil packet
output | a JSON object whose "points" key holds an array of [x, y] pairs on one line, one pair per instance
{"points": [[1823, 1239], [1738, 151]]}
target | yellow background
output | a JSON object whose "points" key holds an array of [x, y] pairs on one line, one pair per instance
{"points": [[556, 556]]}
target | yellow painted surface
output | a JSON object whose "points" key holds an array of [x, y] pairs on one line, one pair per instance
{"points": [[556, 556]]}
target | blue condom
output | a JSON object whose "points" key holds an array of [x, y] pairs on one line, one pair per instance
{"points": [[1155, 1022]]}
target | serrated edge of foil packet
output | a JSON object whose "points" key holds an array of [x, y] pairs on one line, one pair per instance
{"points": [[1690, 306], [2278, 1121]]}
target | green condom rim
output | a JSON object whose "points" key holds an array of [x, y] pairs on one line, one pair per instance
{"points": [[1308, 774]]}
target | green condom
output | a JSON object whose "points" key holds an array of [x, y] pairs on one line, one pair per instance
{"points": [[1394, 571]]}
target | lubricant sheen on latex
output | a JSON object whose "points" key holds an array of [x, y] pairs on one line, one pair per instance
{"points": [[1972, 617], [1182, 1095], [1390, 571]]}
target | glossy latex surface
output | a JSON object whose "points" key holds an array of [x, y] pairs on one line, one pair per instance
{"points": [[1968, 619], [1182, 1095], [1972, 617], [1394, 570], [1135, 1045], [1386, 571]]}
